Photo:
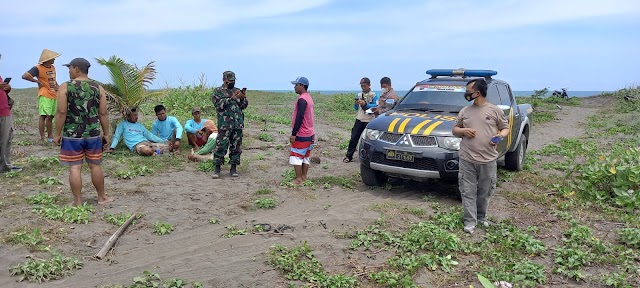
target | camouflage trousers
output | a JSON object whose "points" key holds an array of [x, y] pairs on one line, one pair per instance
{"points": [[231, 139]]}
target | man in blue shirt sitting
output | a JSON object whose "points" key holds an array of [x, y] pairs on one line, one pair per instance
{"points": [[167, 128], [137, 138]]}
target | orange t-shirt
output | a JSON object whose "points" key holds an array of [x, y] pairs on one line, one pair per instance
{"points": [[48, 86]]}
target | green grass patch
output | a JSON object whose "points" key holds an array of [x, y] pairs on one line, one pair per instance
{"points": [[162, 228], [32, 239], [265, 203], [68, 214], [43, 270]]}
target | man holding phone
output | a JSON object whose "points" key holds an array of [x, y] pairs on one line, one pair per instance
{"points": [[6, 127], [481, 127], [229, 102], [363, 102]]}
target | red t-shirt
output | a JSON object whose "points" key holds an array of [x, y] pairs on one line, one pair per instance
{"points": [[4, 102]]}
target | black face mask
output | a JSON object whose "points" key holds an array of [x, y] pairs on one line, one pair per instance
{"points": [[467, 96], [230, 85]]}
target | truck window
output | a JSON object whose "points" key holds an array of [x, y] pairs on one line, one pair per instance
{"points": [[493, 96], [504, 94]]}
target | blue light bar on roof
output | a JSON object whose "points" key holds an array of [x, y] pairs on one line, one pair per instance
{"points": [[461, 72]]}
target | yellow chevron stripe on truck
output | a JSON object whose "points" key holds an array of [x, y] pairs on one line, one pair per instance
{"points": [[403, 125], [419, 126], [433, 126], [392, 125]]}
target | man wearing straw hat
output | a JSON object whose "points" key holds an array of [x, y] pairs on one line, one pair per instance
{"points": [[45, 75]]}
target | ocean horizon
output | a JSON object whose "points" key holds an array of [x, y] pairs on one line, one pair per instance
{"points": [[402, 93]]}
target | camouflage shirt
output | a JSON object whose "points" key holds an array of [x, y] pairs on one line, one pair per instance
{"points": [[230, 113], [83, 101]]}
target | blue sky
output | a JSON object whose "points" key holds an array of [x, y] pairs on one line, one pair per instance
{"points": [[582, 45]]}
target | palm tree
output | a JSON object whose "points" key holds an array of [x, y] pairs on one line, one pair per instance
{"points": [[129, 87]]}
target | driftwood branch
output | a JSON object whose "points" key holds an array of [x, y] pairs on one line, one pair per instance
{"points": [[112, 240]]}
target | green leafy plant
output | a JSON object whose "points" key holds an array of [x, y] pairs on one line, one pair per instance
{"points": [[630, 237], [214, 220], [162, 228], [69, 214], [288, 176], [50, 181], [265, 137], [129, 84], [42, 199], [118, 219], [265, 203], [134, 171], [263, 191], [30, 238], [298, 263], [233, 231], [42, 270]]}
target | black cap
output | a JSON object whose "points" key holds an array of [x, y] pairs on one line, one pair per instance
{"points": [[79, 62], [365, 80]]}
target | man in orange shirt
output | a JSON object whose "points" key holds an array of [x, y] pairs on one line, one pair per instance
{"points": [[45, 75]]}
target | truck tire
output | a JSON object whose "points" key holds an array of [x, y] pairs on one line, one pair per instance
{"points": [[372, 177], [514, 161]]}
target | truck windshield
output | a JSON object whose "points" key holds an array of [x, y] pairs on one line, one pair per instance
{"points": [[432, 96]]}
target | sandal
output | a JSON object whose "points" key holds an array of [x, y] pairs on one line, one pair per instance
{"points": [[347, 159]]}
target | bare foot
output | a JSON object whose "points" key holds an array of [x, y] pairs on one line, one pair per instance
{"points": [[297, 181], [75, 204], [105, 201]]}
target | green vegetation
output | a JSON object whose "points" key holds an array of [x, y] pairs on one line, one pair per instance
{"points": [[129, 87], [42, 270], [162, 228], [298, 263], [69, 214], [265, 203], [133, 171], [118, 219], [150, 279], [30, 238], [233, 231], [264, 191]]}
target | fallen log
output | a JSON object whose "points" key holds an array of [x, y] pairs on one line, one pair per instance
{"points": [[112, 240]]}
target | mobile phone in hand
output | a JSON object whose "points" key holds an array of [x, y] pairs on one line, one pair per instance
{"points": [[244, 90], [496, 139], [7, 80]]}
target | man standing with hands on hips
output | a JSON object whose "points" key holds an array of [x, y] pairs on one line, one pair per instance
{"points": [[481, 127], [229, 102]]}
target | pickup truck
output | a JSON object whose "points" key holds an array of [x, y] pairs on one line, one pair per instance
{"points": [[414, 139]]}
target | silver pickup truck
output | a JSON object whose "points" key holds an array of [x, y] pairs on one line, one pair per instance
{"points": [[414, 139]]}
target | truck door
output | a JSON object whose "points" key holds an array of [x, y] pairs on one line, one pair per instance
{"points": [[512, 113]]}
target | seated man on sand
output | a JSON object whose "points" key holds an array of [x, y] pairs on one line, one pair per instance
{"points": [[137, 138], [209, 128], [167, 128], [196, 136]]}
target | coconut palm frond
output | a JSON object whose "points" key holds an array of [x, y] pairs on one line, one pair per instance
{"points": [[130, 83]]}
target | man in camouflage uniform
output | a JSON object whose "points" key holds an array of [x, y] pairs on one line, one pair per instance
{"points": [[229, 101]]}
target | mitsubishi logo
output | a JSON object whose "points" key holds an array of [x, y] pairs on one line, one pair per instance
{"points": [[404, 140]]}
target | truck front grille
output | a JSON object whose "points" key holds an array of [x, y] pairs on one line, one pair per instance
{"points": [[428, 164], [390, 137], [425, 141]]}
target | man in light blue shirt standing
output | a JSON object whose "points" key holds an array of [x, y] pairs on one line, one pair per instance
{"points": [[167, 128], [137, 138]]}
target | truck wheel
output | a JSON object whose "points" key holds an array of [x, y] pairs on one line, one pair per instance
{"points": [[514, 160], [372, 177]]}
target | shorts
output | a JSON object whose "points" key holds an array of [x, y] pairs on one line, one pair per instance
{"points": [[47, 106], [301, 150], [74, 150]]}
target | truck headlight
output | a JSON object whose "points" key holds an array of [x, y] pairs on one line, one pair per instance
{"points": [[451, 143], [371, 134]]}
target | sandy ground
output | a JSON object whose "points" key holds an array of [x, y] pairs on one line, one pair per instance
{"points": [[187, 199]]}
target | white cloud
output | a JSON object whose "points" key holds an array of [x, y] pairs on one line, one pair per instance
{"points": [[134, 17]]}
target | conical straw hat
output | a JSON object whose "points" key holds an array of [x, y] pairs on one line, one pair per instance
{"points": [[47, 55]]}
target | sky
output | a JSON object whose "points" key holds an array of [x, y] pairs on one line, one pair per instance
{"points": [[581, 45]]}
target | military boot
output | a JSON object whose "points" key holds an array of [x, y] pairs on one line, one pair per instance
{"points": [[233, 171], [216, 172]]}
